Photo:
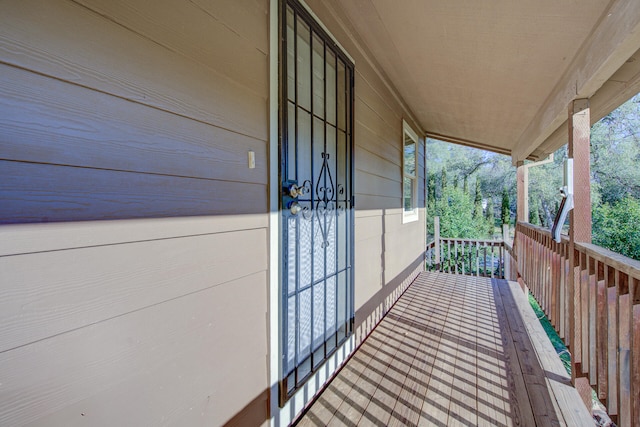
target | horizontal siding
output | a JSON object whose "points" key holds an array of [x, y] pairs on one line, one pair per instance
{"points": [[372, 162], [64, 40], [377, 204], [46, 193], [374, 185], [375, 99], [104, 283], [176, 28], [151, 367], [17, 239], [46, 120], [369, 140], [372, 120], [369, 227], [141, 114], [403, 245], [369, 269]]}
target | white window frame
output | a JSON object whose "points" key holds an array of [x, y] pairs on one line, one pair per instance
{"points": [[412, 215]]}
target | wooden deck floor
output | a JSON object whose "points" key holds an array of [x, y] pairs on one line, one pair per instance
{"points": [[454, 350]]}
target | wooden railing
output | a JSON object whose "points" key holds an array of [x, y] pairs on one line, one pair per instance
{"points": [[597, 314], [483, 258]]}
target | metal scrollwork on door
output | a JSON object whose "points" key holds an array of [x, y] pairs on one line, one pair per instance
{"points": [[325, 204]]}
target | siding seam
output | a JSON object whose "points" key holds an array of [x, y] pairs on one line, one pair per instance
{"points": [[129, 242], [134, 101], [134, 311], [65, 165]]}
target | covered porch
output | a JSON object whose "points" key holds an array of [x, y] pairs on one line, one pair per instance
{"points": [[454, 350], [142, 210]]}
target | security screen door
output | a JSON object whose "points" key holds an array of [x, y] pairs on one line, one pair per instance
{"points": [[317, 205]]}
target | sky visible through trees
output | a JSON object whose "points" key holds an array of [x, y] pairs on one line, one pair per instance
{"points": [[474, 191]]}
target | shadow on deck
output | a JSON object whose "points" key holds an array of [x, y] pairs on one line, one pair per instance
{"points": [[454, 350]]}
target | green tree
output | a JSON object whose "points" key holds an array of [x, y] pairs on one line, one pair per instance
{"points": [[505, 211], [615, 226], [491, 219], [615, 152], [431, 191], [457, 219], [477, 201], [534, 216], [443, 180]]}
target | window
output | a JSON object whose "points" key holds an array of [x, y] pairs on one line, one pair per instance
{"points": [[410, 179]]}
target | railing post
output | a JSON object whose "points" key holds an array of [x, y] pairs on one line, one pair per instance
{"points": [[579, 221], [522, 204], [436, 238], [505, 232], [506, 269], [579, 151]]}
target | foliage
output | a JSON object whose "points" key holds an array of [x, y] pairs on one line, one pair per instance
{"points": [[556, 341], [534, 216], [455, 209], [615, 152], [491, 218], [615, 179], [616, 226], [544, 183], [505, 211], [477, 201], [461, 214]]}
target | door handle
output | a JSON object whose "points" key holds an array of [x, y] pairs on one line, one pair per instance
{"points": [[295, 208], [295, 191]]}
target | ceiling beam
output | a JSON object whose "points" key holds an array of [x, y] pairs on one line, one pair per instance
{"points": [[468, 143], [614, 39], [474, 144]]}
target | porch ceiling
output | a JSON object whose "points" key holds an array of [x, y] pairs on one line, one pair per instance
{"points": [[499, 74]]}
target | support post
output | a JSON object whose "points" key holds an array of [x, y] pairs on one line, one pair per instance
{"points": [[523, 193], [579, 219], [579, 151], [505, 232], [436, 238], [506, 258]]}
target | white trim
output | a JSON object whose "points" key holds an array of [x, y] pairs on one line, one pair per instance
{"points": [[406, 127], [410, 216], [326, 30], [274, 218]]}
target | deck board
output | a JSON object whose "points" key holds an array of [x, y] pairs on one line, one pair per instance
{"points": [[454, 350]]}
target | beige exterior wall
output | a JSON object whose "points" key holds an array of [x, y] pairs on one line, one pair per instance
{"points": [[134, 240], [141, 113]]}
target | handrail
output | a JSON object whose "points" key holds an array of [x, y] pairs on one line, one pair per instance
{"points": [[614, 259], [623, 263], [457, 239], [475, 257], [595, 308]]}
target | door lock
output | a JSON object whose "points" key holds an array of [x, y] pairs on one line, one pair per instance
{"points": [[295, 208], [296, 191]]}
